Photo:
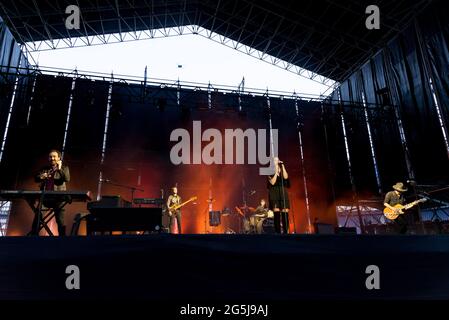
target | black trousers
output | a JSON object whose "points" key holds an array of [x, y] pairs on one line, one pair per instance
{"points": [[278, 216], [400, 224], [59, 216], [177, 216]]}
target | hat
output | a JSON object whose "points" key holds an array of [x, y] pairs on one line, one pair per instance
{"points": [[399, 187]]}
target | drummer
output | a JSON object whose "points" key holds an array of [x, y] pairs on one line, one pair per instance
{"points": [[259, 215], [261, 210]]}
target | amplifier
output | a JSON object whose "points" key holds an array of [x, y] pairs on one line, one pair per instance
{"points": [[324, 228], [214, 218]]}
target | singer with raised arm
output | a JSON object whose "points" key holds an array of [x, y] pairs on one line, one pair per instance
{"points": [[53, 177], [278, 199]]}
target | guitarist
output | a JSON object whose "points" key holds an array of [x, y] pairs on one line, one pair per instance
{"points": [[393, 198], [174, 199]]}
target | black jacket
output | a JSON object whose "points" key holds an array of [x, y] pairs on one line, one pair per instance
{"points": [[60, 178]]}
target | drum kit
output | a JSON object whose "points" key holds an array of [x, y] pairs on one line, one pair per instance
{"points": [[255, 221]]}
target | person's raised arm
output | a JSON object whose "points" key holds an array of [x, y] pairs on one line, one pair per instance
{"points": [[62, 174], [284, 172]]}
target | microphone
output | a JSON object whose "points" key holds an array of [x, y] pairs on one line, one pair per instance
{"points": [[105, 180], [411, 182]]}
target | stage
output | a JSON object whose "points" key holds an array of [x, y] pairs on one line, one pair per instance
{"points": [[225, 268]]}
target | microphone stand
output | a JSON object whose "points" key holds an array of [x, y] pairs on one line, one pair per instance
{"points": [[283, 196], [419, 209], [39, 208], [422, 186]]}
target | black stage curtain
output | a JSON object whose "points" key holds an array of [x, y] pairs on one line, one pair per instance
{"points": [[10, 55], [399, 76], [319, 176], [29, 141]]}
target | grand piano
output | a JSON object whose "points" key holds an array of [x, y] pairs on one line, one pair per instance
{"points": [[113, 213]]}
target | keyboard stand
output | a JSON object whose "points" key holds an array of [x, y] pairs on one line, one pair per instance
{"points": [[43, 220]]}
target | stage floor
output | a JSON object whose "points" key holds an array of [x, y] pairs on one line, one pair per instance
{"points": [[225, 267]]}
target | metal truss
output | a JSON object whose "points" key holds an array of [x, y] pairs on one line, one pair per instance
{"points": [[5, 209], [95, 40], [321, 40], [348, 216], [329, 36], [440, 213], [161, 83], [263, 56]]}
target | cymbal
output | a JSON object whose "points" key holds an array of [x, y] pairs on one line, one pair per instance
{"points": [[239, 211], [249, 208]]}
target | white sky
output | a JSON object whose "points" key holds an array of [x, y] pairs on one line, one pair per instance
{"points": [[202, 60]]}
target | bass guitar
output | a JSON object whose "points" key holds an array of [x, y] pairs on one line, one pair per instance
{"points": [[175, 207]]}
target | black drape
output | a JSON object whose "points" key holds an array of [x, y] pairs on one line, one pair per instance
{"points": [[396, 86]]}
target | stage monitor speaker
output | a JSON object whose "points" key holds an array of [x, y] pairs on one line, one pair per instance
{"points": [[346, 230], [165, 221], [324, 228]]}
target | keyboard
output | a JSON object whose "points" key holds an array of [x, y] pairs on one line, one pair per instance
{"points": [[79, 196]]}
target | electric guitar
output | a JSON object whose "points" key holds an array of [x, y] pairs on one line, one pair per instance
{"points": [[175, 207], [398, 209]]}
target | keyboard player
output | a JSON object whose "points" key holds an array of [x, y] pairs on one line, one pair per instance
{"points": [[53, 177]]}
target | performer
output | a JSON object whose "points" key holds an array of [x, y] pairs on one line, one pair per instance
{"points": [[256, 215], [262, 209], [393, 198], [53, 178], [173, 200], [278, 196], [262, 212]]}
